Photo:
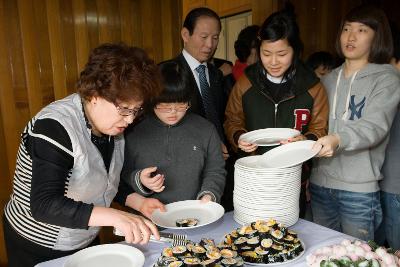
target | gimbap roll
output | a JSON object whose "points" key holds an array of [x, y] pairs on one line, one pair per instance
{"points": [[253, 242], [167, 252], [179, 251], [228, 253], [208, 263], [186, 222], [229, 262], [213, 254], [192, 261], [277, 235], [252, 256], [175, 264], [199, 251], [267, 243], [241, 241], [292, 233], [165, 261]]}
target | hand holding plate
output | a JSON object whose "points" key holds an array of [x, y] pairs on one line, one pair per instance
{"points": [[329, 143], [247, 147], [206, 198], [300, 137]]}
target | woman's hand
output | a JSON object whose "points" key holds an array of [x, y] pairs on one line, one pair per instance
{"points": [[154, 183], [300, 137], [136, 229], [246, 147], [328, 145]]}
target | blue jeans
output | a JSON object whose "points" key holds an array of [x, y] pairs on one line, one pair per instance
{"points": [[355, 214], [390, 227]]}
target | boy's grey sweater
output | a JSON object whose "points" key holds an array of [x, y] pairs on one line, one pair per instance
{"points": [[188, 154], [364, 134]]}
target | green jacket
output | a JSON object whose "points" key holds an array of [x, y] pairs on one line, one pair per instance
{"points": [[250, 107]]}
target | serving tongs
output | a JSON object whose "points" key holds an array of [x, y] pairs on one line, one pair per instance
{"points": [[165, 237], [174, 239]]}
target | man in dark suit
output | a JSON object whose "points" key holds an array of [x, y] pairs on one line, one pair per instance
{"points": [[200, 34]]}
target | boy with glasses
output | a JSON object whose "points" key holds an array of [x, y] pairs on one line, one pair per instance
{"points": [[173, 155]]}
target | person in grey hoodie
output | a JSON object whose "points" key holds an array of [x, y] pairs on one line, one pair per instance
{"points": [[363, 96], [173, 155]]}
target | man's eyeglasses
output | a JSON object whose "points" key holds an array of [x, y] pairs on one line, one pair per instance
{"points": [[123, 111], [169, 109]]}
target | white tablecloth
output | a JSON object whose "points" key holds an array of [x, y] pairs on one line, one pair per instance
{"points": [[313, 236]]}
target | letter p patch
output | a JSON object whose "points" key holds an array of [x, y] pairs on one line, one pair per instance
{"points": [[302, 117]]}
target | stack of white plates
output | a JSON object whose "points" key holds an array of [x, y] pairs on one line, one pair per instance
{"points": [[263, 193]]}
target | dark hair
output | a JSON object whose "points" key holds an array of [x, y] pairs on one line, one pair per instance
{"points": [[321, 58], [382, 47], [195, 14], [247, 39], [117, 72], [396, 41], [279, 26], [176, 83]]}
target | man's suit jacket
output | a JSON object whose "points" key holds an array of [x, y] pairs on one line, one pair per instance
{"points": [[216, 88]]}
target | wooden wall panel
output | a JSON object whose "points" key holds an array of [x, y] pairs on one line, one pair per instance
{"points": [[171, 36], [226, 8], [31, 56], [81, 32], [68, 39], [56, 48], [126, 13], [188, 5], [9, 126], [262, 9]]}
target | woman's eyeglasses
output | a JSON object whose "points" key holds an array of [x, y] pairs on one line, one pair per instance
{"points": [[169, 109], [123, 111]]}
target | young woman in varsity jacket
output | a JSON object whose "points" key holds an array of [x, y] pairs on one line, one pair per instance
{"points": [[69, 161], [173, 154], [278, 91]]}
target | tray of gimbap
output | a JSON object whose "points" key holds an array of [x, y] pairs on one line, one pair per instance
{"points": [[265, 242], [205, 253], [260, 243]]}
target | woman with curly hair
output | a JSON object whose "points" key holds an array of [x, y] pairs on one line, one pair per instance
{"points": [[70, 158]]}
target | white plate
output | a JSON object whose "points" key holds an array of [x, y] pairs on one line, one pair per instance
{"points": [[206, 213], [107, 255], [251, 163], [288, 155], [269, 136], [279, 263]]}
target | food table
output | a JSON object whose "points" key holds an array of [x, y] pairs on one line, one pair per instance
{"points": [[313, 236]]}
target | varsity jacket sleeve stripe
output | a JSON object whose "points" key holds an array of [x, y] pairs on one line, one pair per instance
{"points": [[234, 116], [318, 125]]}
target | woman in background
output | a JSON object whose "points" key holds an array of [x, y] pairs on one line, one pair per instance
{"points": [[245, 50]]}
